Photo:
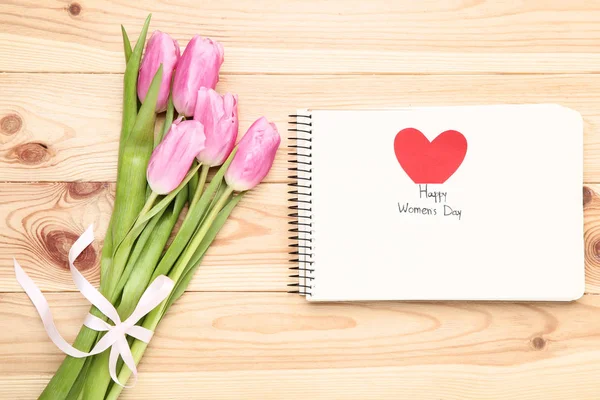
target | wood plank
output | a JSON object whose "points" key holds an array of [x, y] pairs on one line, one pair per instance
{"points": [[452, 382], [39, 222], [591, 212], [277, 345], [312, 36], [65, 127]]}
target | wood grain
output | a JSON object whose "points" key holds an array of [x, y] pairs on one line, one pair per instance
{"points": [[311, 36], [40, 222], [64, 127], [243, 345], [452, 382]]}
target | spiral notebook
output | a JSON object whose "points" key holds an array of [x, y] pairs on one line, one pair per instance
{"points": [[438, 203]]}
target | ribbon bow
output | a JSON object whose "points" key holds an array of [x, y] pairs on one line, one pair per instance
{"points": [[115, 337]]}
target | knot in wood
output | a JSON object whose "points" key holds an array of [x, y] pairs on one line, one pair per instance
{"points": [[59, 242], [74, 9], [10, 124]]}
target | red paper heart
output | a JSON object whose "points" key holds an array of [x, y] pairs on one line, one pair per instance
{"points": [[429, 162]]}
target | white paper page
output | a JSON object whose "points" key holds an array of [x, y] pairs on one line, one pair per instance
{"points": [[519, 234]]}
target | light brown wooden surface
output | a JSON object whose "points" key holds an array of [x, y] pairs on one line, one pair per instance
{"points": [[236, 334], [252, 345], [45, 113], [314, 36]]}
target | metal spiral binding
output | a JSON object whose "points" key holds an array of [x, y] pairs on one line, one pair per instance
{"points": [[301, 225]]}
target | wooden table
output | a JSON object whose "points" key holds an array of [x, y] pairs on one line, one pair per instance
{"points": [[236, 334]]}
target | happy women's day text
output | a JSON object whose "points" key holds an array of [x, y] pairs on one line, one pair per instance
{"points": [[438, 197]]}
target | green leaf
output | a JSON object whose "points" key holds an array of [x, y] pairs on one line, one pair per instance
{"points": [[144, 123], [133, 154], [130, 195], [130, 82], [142, 268], [107, 252], [126, 44], [137, 252]]}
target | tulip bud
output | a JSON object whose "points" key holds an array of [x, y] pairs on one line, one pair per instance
{"points": [[173, 157], [218, 115], [254, 157], [198, 67], [161, 49]]}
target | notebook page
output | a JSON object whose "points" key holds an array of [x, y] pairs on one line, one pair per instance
{"points": [[506, 225]]}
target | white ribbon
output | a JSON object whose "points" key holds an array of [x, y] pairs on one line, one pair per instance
{"points": [[115, 338]]}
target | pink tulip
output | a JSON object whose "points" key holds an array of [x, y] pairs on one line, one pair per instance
{"points": [[219, 116], [172, 158], [255, 155], [198, 67], [161, 49]]}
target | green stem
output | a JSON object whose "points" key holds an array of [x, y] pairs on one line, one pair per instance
{"points": [[192, 185], [137, 350], [149, 203], [187, 255], [107, 253], [200, 187], [189, 271], [77, 388]]}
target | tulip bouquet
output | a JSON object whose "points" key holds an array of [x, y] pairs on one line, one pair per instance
{"points": [[162, 172]]}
